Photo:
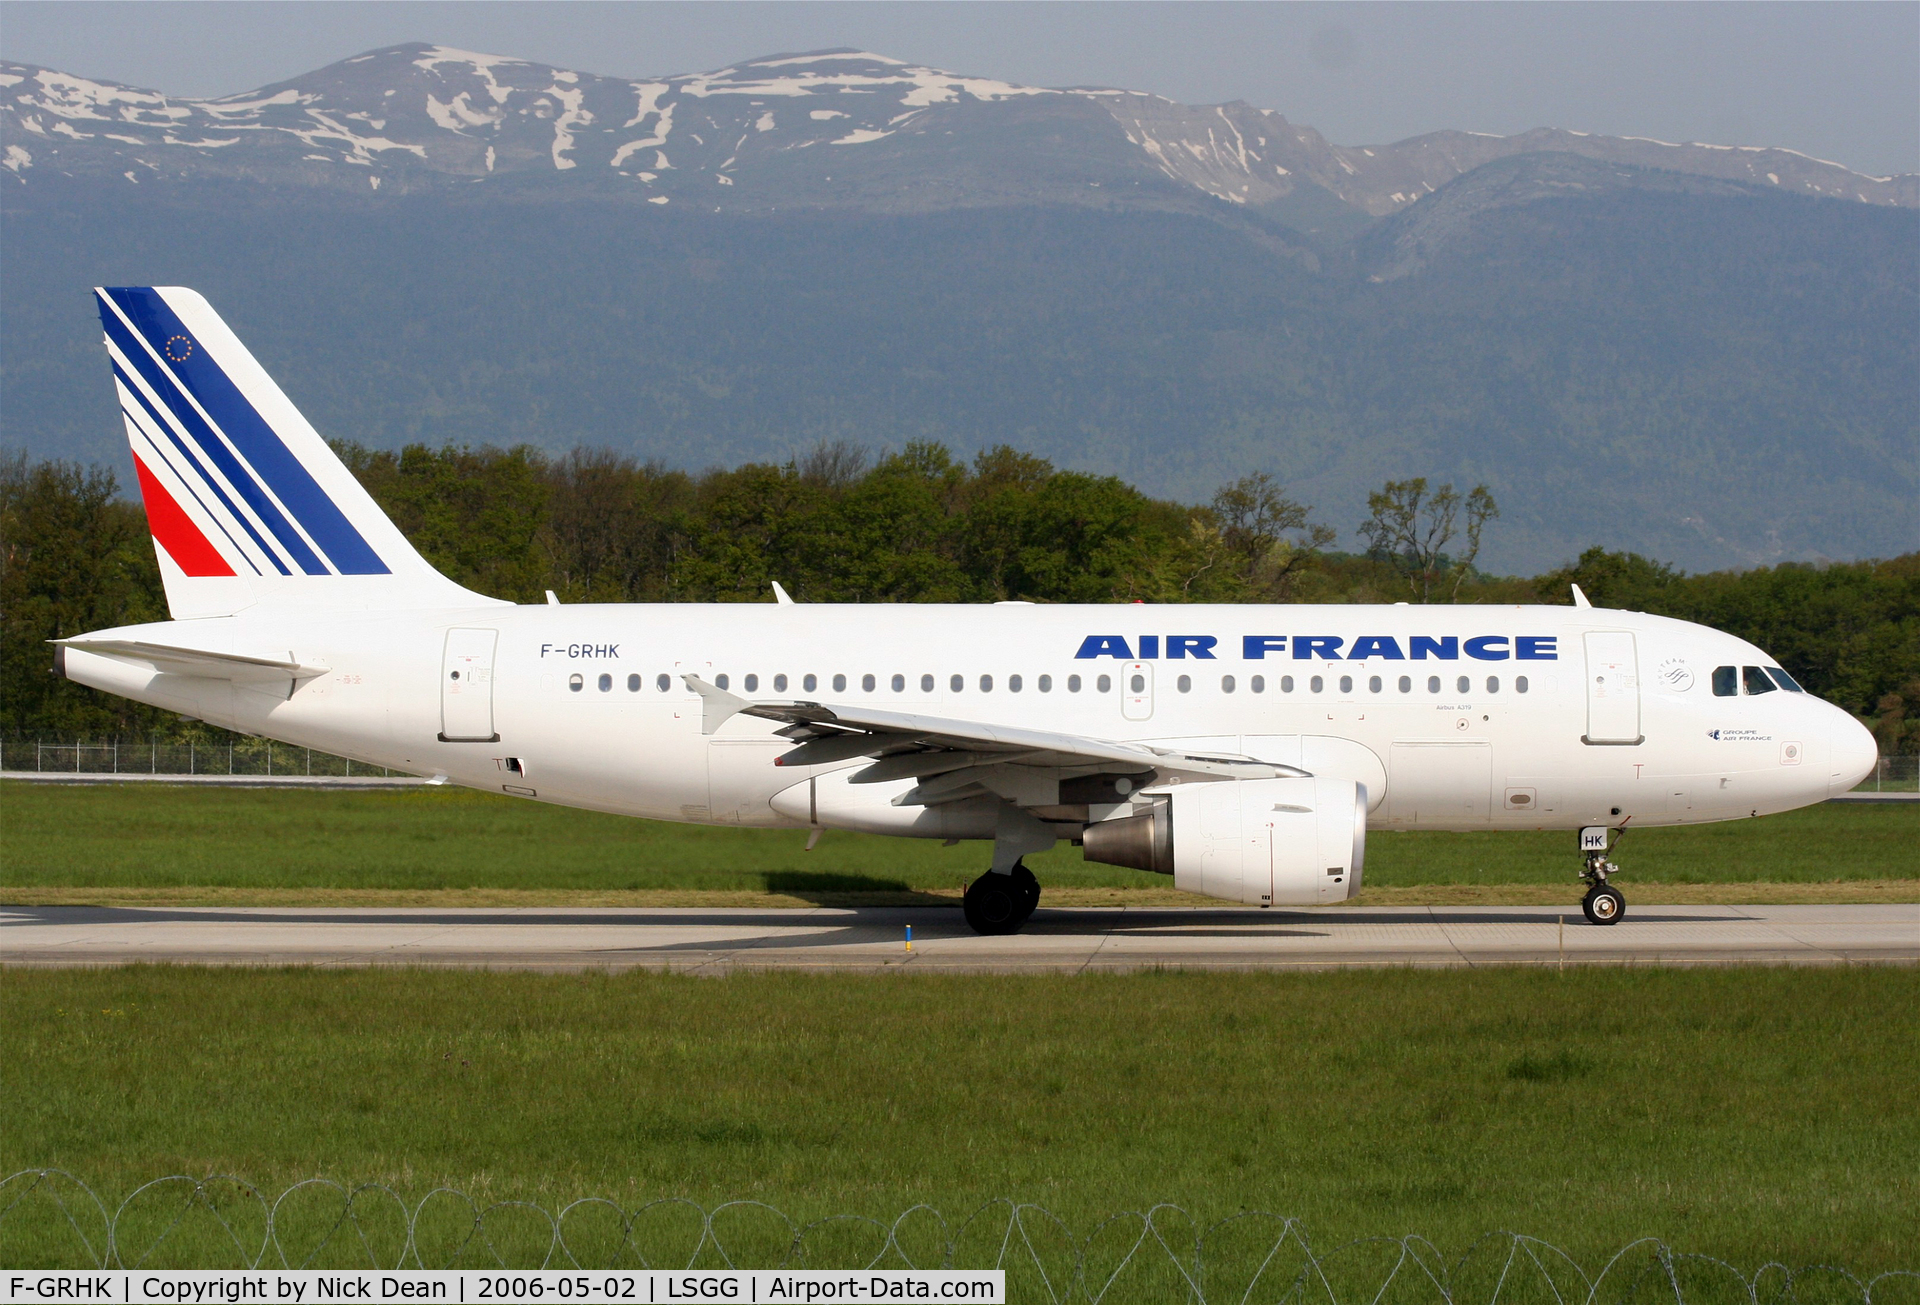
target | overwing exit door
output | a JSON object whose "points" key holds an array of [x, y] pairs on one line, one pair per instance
{"points": [[466, 687], [1613, 688], [1136, 690]]}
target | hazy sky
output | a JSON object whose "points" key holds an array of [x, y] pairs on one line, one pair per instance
{"points": [[1838, 80]]}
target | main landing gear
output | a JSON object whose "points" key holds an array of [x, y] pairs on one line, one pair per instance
{"points": [[1603, 903], [1001, 903]]}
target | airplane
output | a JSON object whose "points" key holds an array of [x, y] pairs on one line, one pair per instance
{"points": [[1243, 751]]}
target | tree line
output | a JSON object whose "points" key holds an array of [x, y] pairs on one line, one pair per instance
{"points": [[920, 525]]}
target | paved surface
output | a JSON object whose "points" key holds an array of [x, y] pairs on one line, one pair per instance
{"points": [[708, 940]]}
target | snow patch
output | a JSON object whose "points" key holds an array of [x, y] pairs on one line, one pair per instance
{"points": [[16, 159], [822, 115], [764, 123], [657, 199], [861, 136]]}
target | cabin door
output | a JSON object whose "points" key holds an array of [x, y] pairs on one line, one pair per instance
{"points": [[466, 687], [1613, 688]]}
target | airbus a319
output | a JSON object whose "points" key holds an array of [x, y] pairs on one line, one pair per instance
{"points": [[1244, 751]]}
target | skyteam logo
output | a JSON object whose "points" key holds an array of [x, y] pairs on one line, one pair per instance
{"points": [[224, 493], [1326, 647]]}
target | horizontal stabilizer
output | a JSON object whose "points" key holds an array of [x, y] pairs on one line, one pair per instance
{"points": [[198, 661]]}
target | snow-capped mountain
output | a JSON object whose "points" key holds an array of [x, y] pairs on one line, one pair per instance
{"points": [[832, 129]]}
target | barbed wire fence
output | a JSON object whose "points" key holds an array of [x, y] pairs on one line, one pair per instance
{"points": [[51, 1219]]}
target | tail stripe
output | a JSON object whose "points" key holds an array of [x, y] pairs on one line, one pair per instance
{"points": [[200, 473], [252, 437], [187, 417], [174, 529]]}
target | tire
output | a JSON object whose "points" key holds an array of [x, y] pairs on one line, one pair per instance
{"points": [[1603, 905], [994, 905], [1029, 889]]}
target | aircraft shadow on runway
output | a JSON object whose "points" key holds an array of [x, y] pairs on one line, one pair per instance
{"points": [[834, 922]]}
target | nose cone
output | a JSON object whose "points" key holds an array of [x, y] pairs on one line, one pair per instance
{"points": [[1853, 751]]}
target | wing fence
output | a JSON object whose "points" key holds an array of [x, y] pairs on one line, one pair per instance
{"points": [[50, 1219]]}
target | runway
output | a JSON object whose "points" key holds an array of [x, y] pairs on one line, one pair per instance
{"points": [[714, 941]]}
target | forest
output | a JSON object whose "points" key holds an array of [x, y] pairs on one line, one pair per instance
{"points": [[840, 525]]}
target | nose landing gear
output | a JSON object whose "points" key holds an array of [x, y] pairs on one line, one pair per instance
{"points": [[1001, 903], [1603, 903]]}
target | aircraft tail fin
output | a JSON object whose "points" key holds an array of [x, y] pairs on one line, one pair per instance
{"points": [[246, 503]]}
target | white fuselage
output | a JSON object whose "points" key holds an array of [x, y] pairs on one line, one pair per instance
{"points": [[1431, 716]]}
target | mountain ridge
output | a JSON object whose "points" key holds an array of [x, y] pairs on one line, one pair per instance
{"points": [[416, 116]]}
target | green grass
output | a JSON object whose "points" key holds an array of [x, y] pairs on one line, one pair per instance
{"points": [[1749, 1114], [135, 836]]}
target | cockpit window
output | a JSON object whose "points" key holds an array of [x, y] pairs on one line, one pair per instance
{"points": [[1755, 680], [1726, 681], [1784, 680]]}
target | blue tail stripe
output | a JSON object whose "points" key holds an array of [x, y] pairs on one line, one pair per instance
{"points": [[205, 479], [243, 483], [290, 481]]}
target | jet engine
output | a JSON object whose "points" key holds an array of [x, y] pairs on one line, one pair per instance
{"points": [[1265, 842]]}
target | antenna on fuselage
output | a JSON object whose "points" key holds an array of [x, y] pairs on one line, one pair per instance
{"points": [[1580, 599], [780, 595]]}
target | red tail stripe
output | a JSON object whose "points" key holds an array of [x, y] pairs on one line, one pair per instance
{"points": [[174, 530]]}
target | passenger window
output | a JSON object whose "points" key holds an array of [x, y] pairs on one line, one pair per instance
{"points": [[926, 684], [986, 684], [1286, 684], [1519, 684], [606, 683], [1073, 684], [899, 683], [1406, 684], [1784, 680], [1756, 680], [1014, 683], [1464, 685], [575, 682], [1104, 684], [839, 684], [1046, 684], [1226, 684], [810, 682], [1184, 684], [1139, 684], [663, 682], [780, 683], [633, 684], [1346, 684], [957, 683], [751, 684], [1316, 684], [1726, 681], [1258, 684], [1433, 684], [866, 683], [721, 679], [1493, 684], [1373, 684]]}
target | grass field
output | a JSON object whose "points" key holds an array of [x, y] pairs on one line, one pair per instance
{"points": [[1749, 1114], [129, 839]]}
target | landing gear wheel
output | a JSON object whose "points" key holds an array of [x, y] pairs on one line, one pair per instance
{"points": [[1603, 905], [995, 904], [1029, 889]]}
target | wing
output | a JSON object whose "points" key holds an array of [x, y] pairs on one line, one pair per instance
{"points": [[953, 759]]}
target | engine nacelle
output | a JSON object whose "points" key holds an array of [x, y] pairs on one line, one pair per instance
{"points": [[1265, 842]]}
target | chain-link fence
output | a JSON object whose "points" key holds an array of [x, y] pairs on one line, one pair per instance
{"points": [[50, 1219], [228, 756], [1892, 775]]}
